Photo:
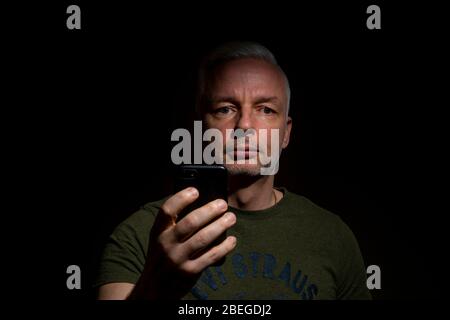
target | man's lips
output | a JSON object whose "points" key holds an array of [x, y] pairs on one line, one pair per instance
{"points": [[244, 152], [242, 147], [246, 149]]}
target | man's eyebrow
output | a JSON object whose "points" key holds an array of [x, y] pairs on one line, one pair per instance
{"points": [[266, 99], [225, 99], [257, 100]]}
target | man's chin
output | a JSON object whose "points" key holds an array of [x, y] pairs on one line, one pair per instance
{"points": [[243, 169]]}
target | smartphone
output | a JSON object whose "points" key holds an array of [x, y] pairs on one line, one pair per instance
{"points": [[211, 182]]}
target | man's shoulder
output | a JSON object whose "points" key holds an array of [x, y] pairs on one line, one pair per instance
{"points": [[321, 222], [312, 213], [308, 207]]}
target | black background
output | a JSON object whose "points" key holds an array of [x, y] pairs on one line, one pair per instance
{"points": [[92, 111]]}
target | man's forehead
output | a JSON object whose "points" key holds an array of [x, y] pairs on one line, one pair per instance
{"points": [[256, 75], [247, 67]]}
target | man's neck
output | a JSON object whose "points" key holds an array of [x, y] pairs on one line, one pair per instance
{"points": [[251, 193]]}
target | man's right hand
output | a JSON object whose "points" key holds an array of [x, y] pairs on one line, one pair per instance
{"points": [[179, 251]]}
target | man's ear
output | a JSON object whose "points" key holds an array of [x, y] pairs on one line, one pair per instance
{"points": [[287, 133]]}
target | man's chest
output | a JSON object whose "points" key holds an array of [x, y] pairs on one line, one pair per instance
{"points": [[270, 266]]}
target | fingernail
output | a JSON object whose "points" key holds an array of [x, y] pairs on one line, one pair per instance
{"points": [[192, 191], [230, 217], [221, 204]]}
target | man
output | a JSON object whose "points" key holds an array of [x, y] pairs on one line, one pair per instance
{"points": [[279, 245]]}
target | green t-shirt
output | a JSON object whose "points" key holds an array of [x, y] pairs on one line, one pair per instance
{"points": [[293, 250]]}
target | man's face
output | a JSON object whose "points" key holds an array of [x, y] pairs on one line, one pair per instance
{"points": [[248, 94]]}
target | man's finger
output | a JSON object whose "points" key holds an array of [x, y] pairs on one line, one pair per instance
{"points": [[210, 257], [198, 218], [170, 209], [203, 238]]}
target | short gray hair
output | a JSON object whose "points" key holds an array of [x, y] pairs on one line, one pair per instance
{"points": [[233, 51]]}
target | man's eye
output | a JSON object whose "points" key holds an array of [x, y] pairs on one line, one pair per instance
{"points": [[267, 110], [222, 110]]}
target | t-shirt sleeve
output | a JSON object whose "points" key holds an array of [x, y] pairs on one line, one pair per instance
{"points": [[123, 258], [351, 281]]}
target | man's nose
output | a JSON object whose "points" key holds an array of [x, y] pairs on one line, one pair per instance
{"points": [[245, 120]]}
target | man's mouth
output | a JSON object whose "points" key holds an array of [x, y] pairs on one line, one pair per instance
{"points": [[244, 152]]}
